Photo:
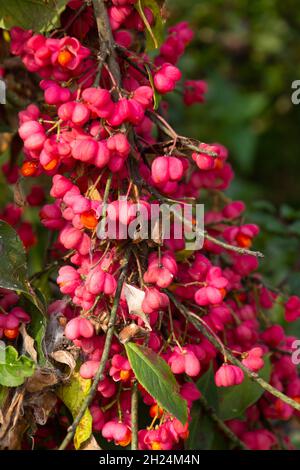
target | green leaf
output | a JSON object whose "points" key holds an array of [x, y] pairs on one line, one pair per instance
{"points": [[39, 15], [276, 313], [201, 430], [204, 434], [206, 385], [13, 368], [13, 269], [4, 391], [73, 394], [156, 377], [235, 400], [155, 32]]}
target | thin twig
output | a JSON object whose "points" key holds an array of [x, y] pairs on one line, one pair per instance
{"points": [[122, 51], [134, 416], [106, 350], [252, 375], [169, 131], [236, 249]]}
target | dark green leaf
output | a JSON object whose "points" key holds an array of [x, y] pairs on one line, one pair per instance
{"points": [[39, 15], [201, 430], [207, 387], [13, 268], [157, 378]]}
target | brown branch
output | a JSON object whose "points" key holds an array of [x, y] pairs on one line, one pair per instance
{"points": [[123, 53], [106, 38], [185, 142]]}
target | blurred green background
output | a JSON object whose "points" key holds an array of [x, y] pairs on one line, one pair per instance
{"points": [[249, 53]]}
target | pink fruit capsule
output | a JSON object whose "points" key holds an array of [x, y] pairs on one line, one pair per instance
{"points": [[60, 185], [35, 141], [103, 156], [72, 329], [85, 150], [65, 111], [89, 369], [29, 128], [95, 281], [80, 115], [86, 329], [228, 375], [160, 170]]}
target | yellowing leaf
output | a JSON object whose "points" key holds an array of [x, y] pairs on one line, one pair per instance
{"points": [[73, 394], [83, 430]]}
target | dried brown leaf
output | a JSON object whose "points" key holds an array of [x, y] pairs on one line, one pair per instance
{"points": [[11, 415], [28, 342], [134, 298], [65, 357], [42, 378], [41, 404]]}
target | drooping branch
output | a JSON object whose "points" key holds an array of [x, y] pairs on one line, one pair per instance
{"points": [[185, 142], [236, 249], [160, 197], [106, 350], [252, 375]]}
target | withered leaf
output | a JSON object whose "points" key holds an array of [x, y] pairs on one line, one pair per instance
{"points": [[42, 404], [134, 298], [28, 342], [132, 331], [42, 378], [65, 357], [11, 415]]}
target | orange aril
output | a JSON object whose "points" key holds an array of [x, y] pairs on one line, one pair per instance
{"points": [[51, 165], [124, 375], [29, 168], [64, 57], [243, 240], [89, 219]]}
